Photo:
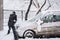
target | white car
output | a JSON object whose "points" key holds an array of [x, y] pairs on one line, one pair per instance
{"points": [[45, 24]]}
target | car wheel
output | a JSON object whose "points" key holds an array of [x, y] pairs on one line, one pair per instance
{"points": [[29, 34]]}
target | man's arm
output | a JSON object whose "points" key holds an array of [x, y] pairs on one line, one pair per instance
{"points": [[15, 19]]}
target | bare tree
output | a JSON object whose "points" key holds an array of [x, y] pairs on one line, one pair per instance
{"points": [[48, 6], [43, 6], [36, 3], [26, 15], [40, 7]]}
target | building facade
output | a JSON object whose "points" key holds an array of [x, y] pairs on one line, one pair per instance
{"points": [[1, 15]]}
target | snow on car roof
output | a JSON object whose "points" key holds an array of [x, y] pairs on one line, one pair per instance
{"points": [[44, 13]]}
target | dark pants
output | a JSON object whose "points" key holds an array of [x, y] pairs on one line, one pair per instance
{"points": [[14, 32]]}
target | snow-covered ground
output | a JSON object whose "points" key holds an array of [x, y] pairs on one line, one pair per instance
{"points": [[4, 36]]}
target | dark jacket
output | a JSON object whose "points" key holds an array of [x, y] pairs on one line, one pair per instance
{"points": [[12, 19]]}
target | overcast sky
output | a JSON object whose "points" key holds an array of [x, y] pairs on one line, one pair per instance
{"points": [[23, 4]]}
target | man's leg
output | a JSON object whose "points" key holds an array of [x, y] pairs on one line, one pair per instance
{"points": [[15, 33], [9, 30]]}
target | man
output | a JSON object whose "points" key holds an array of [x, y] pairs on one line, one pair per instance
{"points": [[11, 22]]}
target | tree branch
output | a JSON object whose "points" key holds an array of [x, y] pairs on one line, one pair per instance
{"points": [[36, 4], [41, 7], [48, 6], [26, 15]]}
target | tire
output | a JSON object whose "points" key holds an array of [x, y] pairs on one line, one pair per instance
{"points": [[29, 34], [42, 36]]}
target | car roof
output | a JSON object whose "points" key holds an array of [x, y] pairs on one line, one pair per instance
{"points": [[56, 12], [51, 13]]}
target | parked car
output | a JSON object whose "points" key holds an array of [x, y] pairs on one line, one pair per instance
{"points": [[45, 24]]}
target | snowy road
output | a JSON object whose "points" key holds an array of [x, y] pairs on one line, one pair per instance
{"points": [[4, 36]]}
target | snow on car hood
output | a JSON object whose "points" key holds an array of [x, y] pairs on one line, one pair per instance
{"points": [[23, 23]]}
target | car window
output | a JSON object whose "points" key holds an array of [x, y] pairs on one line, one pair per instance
{"points": [[57, 17], [47, 18]]}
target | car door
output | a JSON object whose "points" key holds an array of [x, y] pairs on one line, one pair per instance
{"points": [[47, 25], [50, 26]]}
